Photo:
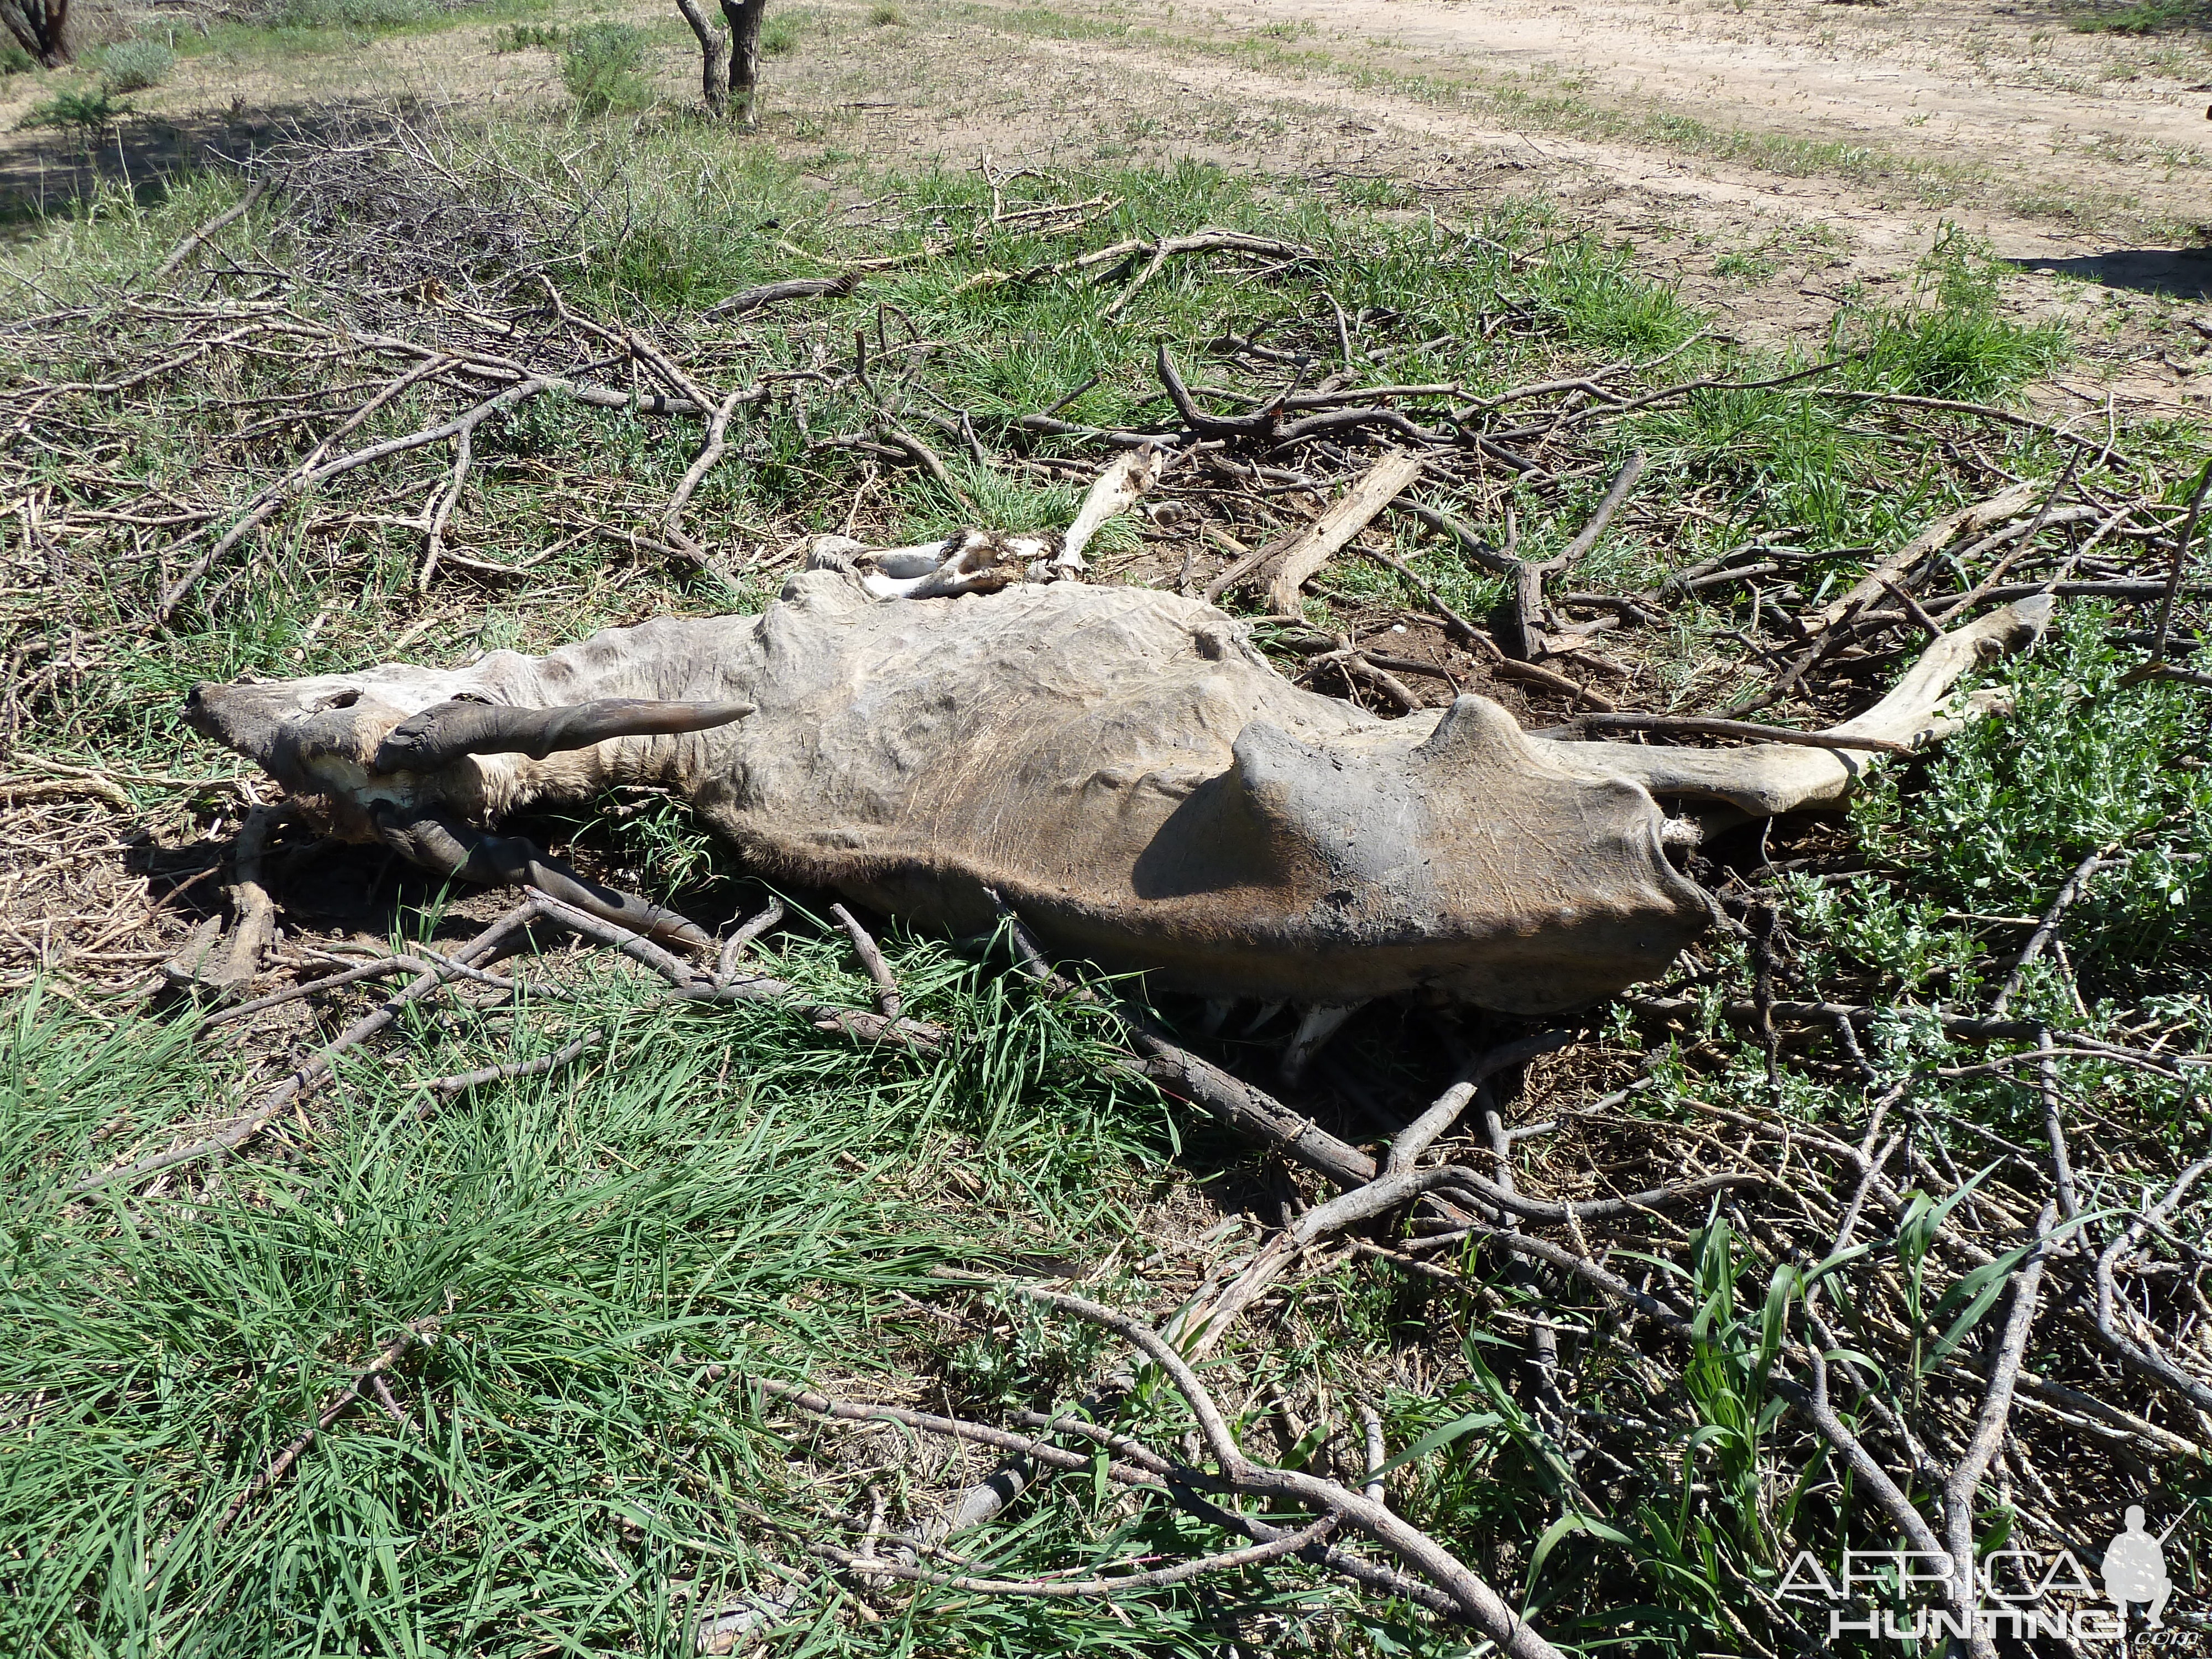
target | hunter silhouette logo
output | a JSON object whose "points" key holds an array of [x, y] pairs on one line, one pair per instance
{"points": [[2134, 1569], [1900, 1595]]}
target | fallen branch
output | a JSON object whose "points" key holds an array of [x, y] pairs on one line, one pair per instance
{"points": [[1523, 629], [1121, 1584], [1980, 515], [872, 959], [1304, 555], [222, 221], [717, 445], [306, 1077], [1201, 241], [793, 288], [2047, 928], [305, 477], [2180, 562], [1965, 1479]]}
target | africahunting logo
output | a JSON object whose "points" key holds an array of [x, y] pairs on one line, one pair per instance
{"points": [[2017, 1594]]}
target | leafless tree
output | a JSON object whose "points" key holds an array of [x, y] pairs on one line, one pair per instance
{"points": [[729, 66]]}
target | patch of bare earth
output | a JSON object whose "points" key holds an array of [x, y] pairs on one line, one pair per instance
{"points": [[1777, 161], [1777, 158]]}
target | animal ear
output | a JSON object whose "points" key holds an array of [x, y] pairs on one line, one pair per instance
{"points": [[1476, 731]]}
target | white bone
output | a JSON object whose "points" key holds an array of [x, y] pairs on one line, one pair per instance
{"points": [[1116, 489], [1315, 1027]]}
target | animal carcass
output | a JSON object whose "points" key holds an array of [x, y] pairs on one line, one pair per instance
{"points": [[1119, 766]]}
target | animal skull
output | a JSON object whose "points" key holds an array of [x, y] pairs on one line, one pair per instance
{"points": [[935, 733]]}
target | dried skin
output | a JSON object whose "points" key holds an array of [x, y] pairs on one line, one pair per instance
{"points": [[1122, 766]]}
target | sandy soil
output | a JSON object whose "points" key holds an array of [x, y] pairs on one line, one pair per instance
{"points": [[1776, 157], [1984, 84]]}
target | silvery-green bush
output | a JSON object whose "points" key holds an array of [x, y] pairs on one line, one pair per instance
{"points": [[134, 65]]}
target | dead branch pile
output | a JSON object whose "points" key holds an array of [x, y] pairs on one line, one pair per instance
{"points": [[1914, 1317]]}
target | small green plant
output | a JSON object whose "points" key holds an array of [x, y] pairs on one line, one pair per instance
{"points": [[1377, 193], [883, 15], [14, 60], [526, 37], [81, 112], [656, 840], [1028, 1360], [358, 16], [134, 65], [600, 68], [780, 34], [1746, 267], [2143, 17]]}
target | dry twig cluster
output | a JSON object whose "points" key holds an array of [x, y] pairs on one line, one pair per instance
{"points": [[2086, 1347]]}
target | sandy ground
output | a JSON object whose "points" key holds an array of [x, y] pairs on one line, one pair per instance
{"points": [[1775, 156]]}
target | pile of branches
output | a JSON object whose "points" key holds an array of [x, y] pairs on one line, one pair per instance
{"points": [[2065, 1336], [437, 296]]}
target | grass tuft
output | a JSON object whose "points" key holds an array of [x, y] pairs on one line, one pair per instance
{"points": [[2137, 16], [781, 32]]}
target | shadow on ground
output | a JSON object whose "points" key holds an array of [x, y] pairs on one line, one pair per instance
{"points": [[2183, 272], [52, 172]]}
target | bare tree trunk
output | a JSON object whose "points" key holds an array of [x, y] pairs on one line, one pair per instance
{"points": [[745, 18], [41, 28], [711, 48]]}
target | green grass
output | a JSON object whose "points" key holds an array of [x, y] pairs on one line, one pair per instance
{"points": [[2138, 16], [304, 29], [599, 65], [732, 1187], [748, 1197]]}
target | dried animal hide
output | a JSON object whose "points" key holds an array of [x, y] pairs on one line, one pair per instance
{"points": [[1119, 765]]}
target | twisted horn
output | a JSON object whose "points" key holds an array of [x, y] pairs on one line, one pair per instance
{"points": [[445, 731]]}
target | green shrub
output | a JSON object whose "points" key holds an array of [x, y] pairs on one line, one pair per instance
{"points": [[883, 14], [780, 34], [2086, 761], [86, 111], [600, 68], [2143, 17], [522, 37], [14, 60], [134, 65], [354, 14]]}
